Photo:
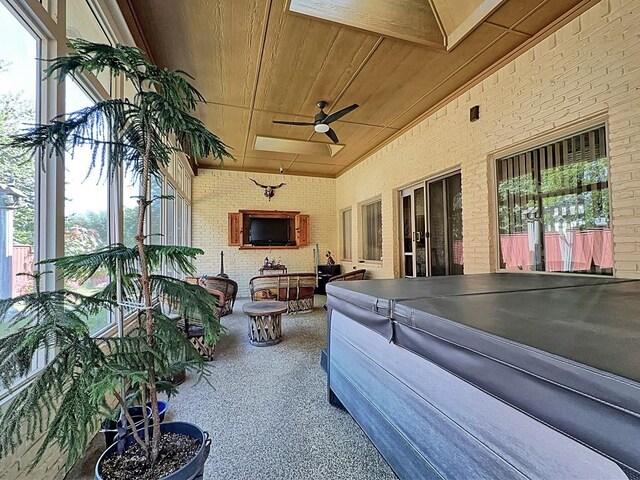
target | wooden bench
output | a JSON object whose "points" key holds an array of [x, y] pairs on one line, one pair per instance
{"points": [[295, 289]]}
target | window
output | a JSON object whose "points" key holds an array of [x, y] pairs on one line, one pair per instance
{"points": [[170, 203], [155, 212], [345, 225], [179, 174], [179, 220], [187, 183], [51, 6], [85, 207], [130, 194], [82, 22], [553, 207], [371, 217], [19, 94], [187, 224]]}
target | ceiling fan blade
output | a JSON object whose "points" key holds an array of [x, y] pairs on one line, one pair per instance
{"points": [[332, 135], [306, 124], [332, 117]]}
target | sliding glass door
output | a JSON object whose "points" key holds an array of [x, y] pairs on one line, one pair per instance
{"points": [[414, 231], [432, 228]]}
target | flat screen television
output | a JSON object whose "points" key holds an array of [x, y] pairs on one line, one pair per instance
{"points": [[269, 231]]}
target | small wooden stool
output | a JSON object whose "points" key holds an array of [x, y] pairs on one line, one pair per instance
{"points": [[265, 321]]}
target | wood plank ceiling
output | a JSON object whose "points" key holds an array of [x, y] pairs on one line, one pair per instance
{"points": [[256, 61]]}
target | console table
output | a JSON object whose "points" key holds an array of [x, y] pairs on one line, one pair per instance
{"points": [[273, 268]]}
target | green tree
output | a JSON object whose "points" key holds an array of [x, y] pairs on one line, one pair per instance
{"points": [[95, 222], [16, 113], [129, 224], [73, 390]]}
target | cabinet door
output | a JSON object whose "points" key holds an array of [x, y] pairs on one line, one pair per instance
{"points": [[302, 230], [235, 229]]}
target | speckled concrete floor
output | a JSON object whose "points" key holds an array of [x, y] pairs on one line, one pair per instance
{"points": [[267, 412]]}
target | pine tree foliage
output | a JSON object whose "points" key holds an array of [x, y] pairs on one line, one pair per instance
{"points": [[73, 391]]}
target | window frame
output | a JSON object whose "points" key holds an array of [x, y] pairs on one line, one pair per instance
{"points": [[343, 254], [46, 20], [41, 26], [361, 231], [557, 135]]}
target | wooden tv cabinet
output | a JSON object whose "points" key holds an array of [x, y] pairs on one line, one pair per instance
{"points": [[238, 228]]}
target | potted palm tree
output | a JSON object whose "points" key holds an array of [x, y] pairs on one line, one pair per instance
{"points": [[90, 377]]}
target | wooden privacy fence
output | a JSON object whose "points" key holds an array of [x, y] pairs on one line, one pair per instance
{"points": [[22, 262]]}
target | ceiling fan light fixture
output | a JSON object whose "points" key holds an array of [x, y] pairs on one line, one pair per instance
{"points": [[321, 128]]}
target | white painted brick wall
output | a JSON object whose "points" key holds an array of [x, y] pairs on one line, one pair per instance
{"points": [[589, 67], [218, 192]]}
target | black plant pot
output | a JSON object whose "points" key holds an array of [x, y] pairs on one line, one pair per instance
{"points": [[163, 406], [193, 470], [110, 427], [179, 377]]}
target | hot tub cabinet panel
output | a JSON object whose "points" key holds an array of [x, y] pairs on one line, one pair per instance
{"points": [[430, 424], [469, 386]]}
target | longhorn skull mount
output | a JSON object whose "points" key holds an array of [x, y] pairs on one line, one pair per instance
{"points": [[269, 190]]}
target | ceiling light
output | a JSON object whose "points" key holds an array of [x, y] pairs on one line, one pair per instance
{"points": [[321, 128], [298, 147]]}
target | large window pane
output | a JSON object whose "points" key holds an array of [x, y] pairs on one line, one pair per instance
{"points": [[18, 107], [155, 213], [82, 22], [85, 207], [371, 215], [454, 212], [179, 220], [130, 193], [553, 207], [179, 174], [187, 224], [170, 234], [346, 234]]}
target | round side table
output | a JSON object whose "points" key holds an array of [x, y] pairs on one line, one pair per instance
{"points": [[265, 321]]}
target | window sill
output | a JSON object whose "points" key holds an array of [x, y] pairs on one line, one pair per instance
{"points": [[370, 263], [542, 272], [8, 394]]}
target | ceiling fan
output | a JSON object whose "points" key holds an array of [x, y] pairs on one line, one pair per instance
{"points": [[321, 120]]}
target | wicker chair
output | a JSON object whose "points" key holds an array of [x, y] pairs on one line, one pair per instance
{"points": [[228, 287], [193, 328], [353, 275], [296, 289]]}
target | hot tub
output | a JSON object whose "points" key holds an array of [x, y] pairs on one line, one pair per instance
{"points": [[495, 375]]}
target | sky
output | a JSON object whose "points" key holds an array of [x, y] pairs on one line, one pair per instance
{"points": [[19, 49]]}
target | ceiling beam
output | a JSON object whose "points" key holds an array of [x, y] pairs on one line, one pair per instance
{"points": [[470, 23], [409, 20]]}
